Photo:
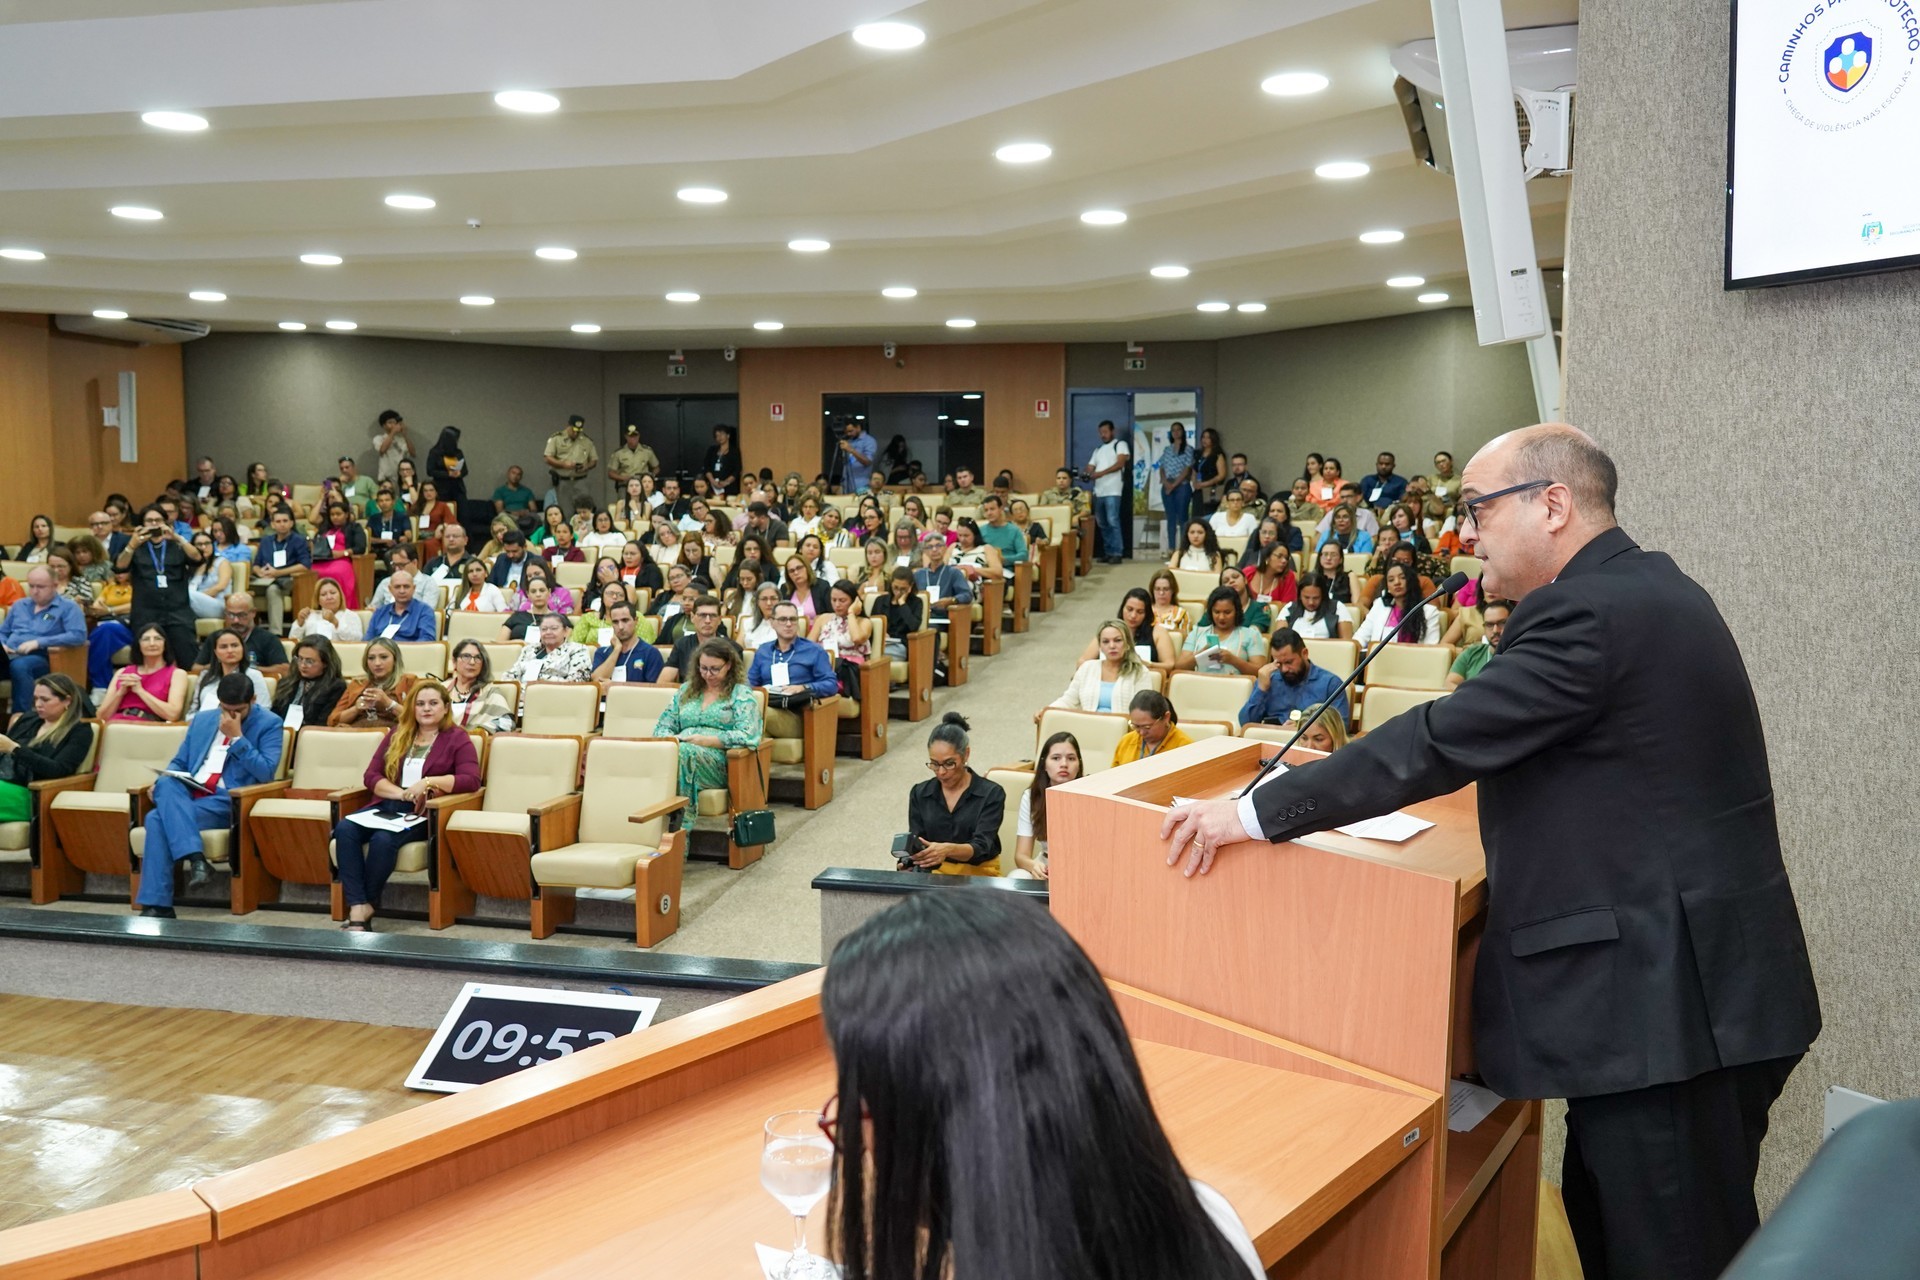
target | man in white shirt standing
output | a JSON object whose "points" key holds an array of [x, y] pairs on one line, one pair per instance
{"points": [[1104, 470]]}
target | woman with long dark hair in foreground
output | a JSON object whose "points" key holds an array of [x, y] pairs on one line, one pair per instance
{"points": [[995, 1130]]}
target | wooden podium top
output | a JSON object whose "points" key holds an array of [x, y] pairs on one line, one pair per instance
{"points": [[678, 1191]]}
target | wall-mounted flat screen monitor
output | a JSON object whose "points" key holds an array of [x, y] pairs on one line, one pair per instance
{"points": [[1823, 147]]}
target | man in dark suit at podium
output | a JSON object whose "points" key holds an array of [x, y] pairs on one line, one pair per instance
{"points": [[1643, 956]]}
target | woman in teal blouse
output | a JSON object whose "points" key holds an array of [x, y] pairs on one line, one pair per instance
{"points": [[713, 712]]}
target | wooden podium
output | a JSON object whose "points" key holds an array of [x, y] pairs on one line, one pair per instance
{"points": [[1360, 949]]}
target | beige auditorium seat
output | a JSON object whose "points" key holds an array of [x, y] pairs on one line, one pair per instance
{"points": [[1384, 702], [850, 562], [1203, 697], [219, 845], [862, 726], [353, 658], [633, 711], [286, 826], [21, 841], [574, 575], [622, 831], [1232, 546], [90, 816], [1338, 656], [1014, 782], [912, 680], [484, 627], [1469, 565], [554, 706], [1412, 666], [1199, 730], [486, 845], [501, 657], [1280, 733], [805, 739], [1097, 732], [1194, 584], [426, 659]]}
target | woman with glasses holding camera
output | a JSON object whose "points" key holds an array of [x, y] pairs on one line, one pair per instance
{"points": [[953, 818]]}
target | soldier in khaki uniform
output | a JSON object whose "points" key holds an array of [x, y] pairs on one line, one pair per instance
{"points": [[1063, 494], [633, 460], [569, 457], [965, 492]]}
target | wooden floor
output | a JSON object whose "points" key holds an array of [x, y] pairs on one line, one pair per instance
{"points": [[104, 1102]]}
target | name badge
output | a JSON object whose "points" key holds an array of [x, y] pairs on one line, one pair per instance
{"points": [[605, 637], [295, 717], [390, 631], [781, 676], [160, 580], [280, 559], [933, 593], [619, 672], [1145, 651]]}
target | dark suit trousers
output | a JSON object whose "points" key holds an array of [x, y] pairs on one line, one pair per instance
{"points": [[1659, 1181]]}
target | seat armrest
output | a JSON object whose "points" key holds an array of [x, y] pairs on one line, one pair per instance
{"points": [[547, 808], [260, 789], [77, 782], [659, 809], [555, 823], [458, 799]]}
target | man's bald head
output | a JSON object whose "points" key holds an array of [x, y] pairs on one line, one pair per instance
{"points": [[1562, 453], [1535, 497]]}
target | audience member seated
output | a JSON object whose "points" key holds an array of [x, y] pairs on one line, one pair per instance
{"points": [[1255, 613], [947, 586], [1266, 536], [1200, 550], [1403, 520], [211, 582], [1271, 579], [1154, 644], [1330, 565], [878, 562], [1290, 682], [282, 555], [1059, 762], [713, 712], [1305, 511], [49, 740], [1156, 728], [806, 592], [1233, 520], [753, 621], [151, 687], [593, 628], [1313, 615], [703, 626], [314, 688], [510, 564], [1224, 644], [374, 700], [1342, 532], [226, 653], [444, 569], [386, 525], [328, 616], [953, 818], [1403, 555], [403, 618], [1493, 622], [793, 670], [44, 620], [424, 756], [627, 659], [514, 500], [39, 542], [90, 560], [334, 546], [1108, 682], [475, 594], [604, 538], [900, 607], [401, 555], [473, 698], [843, 631], [904, 549], [234, 742], [999, 533], [637, 568], [972, 556], [1328, 733], [535, 603], [551, 655], [1393, 616], [264, 650], [1163, 591], [1383, 488]]}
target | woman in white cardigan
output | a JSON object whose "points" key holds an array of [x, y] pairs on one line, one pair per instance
{"points": [[1387, 620], [1108, 682]]}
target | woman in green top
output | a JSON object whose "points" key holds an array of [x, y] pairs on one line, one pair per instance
{"points": [[1225, 644], [1253, 612], [713, 712], [49, 741]]}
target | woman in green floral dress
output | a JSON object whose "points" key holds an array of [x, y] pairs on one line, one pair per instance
{"points": [[713, 712]]}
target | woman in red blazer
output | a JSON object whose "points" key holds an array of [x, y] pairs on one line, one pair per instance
{"points": [[424, 756]]}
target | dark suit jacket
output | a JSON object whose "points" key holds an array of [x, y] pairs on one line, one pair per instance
{"points": [[1640, 928]]}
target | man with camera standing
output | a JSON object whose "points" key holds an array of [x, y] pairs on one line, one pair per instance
{"points": [[159, 558]]}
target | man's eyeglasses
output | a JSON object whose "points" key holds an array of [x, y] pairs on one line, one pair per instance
{"points": [[1473, 505]]}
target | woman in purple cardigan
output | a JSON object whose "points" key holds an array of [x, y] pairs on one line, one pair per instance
{"points": [[424, 756]]}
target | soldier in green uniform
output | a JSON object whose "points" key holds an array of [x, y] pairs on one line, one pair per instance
{"points": [[569, 457]]}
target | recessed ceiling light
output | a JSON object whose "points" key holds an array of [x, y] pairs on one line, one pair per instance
{"points": [[960, 322], [1023, 152], [971, 395], [178, 121], [1405, 282], [554, 253], [808, 245], [586, 328], [899, 291], [108, 313], [889, 35], [1214, 306], [1251, 306], [702, 195], [963, 422], [321, 259], [292, 326], [1103, 217], [1294, 84], [476, 300], [343, 326], [1170, 272], [207, 295], [526, 100], [22, 255], [137, 212], [1431, 297], [1342, 169], [768, 326], [683, 295], [410, 202], [1383, 236]]}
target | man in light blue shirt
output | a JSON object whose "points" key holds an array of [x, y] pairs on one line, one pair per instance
{"points": [[44, 620], [402, 618], [1290, 683], [858, 449]]}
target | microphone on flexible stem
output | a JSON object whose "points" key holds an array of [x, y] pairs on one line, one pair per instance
{"points": [[1453, 583]]}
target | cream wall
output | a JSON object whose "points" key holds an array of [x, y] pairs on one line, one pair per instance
{"points": [[1737, 419]]}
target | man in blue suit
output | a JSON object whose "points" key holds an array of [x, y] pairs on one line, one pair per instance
{"points": [[236, 744]]}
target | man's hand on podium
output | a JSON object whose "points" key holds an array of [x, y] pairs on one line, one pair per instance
{"points": [[1197, 830]]}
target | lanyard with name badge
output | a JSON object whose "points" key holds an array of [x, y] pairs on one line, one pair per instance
{"points": [[159, 566]]}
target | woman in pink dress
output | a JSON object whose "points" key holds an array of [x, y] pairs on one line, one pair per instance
{"points": [[150, 688], [335, 544]]}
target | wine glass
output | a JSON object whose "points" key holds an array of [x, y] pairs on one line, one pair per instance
{"points": [[796, 1168]]}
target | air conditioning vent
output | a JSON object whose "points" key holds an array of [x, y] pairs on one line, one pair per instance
{"points": [[141, 329]]}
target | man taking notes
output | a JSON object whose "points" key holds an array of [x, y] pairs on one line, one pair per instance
{"points": [[1643, 956]]}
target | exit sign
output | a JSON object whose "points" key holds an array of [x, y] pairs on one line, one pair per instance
{"points": [[676, 370], [1134, 364]]}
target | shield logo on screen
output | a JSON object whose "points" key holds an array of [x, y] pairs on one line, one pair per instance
{"points": [[1848, 60]]}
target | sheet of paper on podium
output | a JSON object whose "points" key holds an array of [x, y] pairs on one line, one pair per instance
{"points": [[1468, 1104], [1396, 827]]}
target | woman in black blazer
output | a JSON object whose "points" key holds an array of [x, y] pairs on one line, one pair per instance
{"points": [[810, 595]]}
